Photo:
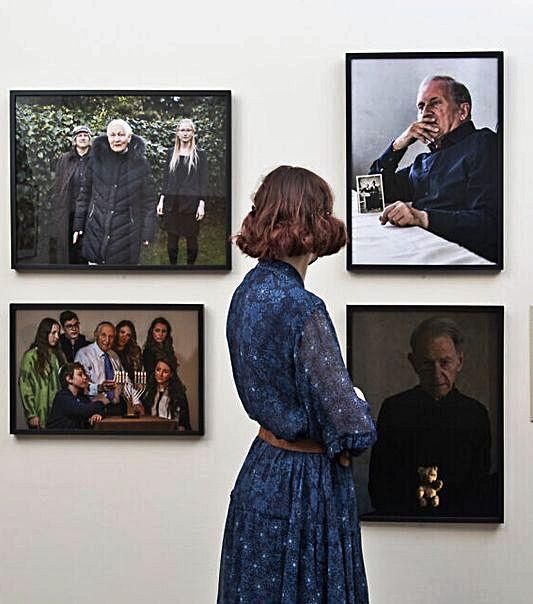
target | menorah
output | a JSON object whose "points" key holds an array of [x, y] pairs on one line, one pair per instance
{"points": [[138, 385]]}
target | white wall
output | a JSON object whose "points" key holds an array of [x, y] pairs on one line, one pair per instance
{"points": [[141, 520]]}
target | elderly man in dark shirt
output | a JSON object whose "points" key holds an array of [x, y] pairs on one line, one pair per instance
{"points": [[433, 424], [451, 191]]}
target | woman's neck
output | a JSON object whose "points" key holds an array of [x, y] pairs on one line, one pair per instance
{"points": [[300, 263], [185, 149]]}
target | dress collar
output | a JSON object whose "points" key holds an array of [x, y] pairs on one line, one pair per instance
{"points": [[454, 137], [282, 268]]}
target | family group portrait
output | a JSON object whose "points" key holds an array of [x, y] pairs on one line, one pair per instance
{"points": [[433, 376], [120, 179], [425, 160], [96, 368]]}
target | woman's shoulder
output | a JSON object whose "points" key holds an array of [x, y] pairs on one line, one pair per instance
{"points": [[282, 289], [30, 355]]}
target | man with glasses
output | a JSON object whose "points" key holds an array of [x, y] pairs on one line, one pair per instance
{"points": [[71, 340]]}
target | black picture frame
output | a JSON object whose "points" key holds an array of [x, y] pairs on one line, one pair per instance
{"points": [[461, 433], [187, 330], [381, 92], [41, 127]]}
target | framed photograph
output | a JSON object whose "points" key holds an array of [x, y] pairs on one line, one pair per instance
{"points": [[121, 180], [433, 376], [531, 359], [97, 369], [370, 191], [431, 124]]}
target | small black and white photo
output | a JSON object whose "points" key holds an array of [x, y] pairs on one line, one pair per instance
{"points": [[370, 193]]}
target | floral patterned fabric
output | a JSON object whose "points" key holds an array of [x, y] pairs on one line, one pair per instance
{"points": [[292, 533]]}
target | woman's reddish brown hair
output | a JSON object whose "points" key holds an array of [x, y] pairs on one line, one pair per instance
{"points": [[291, 216]]}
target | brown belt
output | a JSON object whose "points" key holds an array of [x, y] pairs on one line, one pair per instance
{"points": [[302, 446]]}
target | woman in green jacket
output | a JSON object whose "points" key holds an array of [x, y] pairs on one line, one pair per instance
{"points": [[39, 373]]}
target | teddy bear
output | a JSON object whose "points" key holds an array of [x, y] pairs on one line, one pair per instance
{"points": [[429, 487]]}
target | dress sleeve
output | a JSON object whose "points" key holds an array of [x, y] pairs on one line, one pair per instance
{"points": [[324, 385], [166, 172], [203, 175]]}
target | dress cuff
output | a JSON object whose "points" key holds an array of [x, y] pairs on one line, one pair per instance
{"points": [[354, 443]]}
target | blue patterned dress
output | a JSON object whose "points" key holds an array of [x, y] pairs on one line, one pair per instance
{"points": [[292, 534]]}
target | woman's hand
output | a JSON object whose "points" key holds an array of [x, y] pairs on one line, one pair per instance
{"points": [[159, 208], [138, 409], [344, 459], [200, 211], [76, 236], [34, 422]]}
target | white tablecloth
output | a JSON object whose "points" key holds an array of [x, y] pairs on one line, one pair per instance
{"points": [[374, 243]]}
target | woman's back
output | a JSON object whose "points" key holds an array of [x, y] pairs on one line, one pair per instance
{"points": [[292, 533], [266, 315], [287, 363]]}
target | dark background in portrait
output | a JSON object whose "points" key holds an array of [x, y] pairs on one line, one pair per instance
{"points": [[378, 364], [43, 123], [185, 336], [384, 100]]}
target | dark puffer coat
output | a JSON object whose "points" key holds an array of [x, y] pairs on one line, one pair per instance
{"points": [[117, 210]]}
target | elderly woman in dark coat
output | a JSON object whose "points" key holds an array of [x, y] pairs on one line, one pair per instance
{"points": [[116, 212]]}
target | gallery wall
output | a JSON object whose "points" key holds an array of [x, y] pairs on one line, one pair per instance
{"points": [[136, 520]]}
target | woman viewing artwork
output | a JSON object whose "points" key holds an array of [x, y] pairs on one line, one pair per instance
{"points": [[158, 343], [115, 212], [182, 201], [39, 373], [126, 347], [166, 395], [292, 532]]}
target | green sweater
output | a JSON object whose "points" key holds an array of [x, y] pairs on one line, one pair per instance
{"points": [[37, 392]]}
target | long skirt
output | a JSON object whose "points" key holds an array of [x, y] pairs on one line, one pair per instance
{"points": [[292, 533]]}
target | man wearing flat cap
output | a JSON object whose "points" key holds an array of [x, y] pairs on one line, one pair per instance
{"points": [[70, 179]]}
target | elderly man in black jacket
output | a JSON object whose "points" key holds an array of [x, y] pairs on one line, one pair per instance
{"points": [[452, 191], [115, 214], [433, 424]]}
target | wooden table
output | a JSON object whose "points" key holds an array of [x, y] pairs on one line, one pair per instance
{"points": [[144, 423]]}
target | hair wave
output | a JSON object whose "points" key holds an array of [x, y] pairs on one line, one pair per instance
{"points": [[291, 216]]}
